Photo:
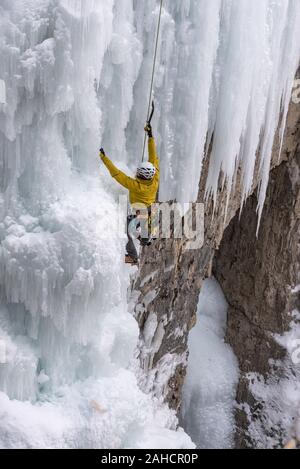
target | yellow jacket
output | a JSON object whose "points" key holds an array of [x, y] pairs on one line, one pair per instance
{"points": [[140, 191]]}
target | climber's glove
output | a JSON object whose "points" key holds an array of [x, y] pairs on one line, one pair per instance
{"points": [[102, 153], [148, 129]]}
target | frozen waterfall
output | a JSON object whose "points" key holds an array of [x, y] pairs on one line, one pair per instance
{"points": [[76, 73]]}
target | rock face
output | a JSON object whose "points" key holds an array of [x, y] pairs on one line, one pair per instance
{"points": [[258, 277], [167, 287]]}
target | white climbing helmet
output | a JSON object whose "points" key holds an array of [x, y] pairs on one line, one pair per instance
{"points": [[146, 171]]}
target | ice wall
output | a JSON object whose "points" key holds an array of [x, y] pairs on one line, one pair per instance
{"points": [[66, 338]]}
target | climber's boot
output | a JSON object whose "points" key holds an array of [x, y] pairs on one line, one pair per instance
{"points": [[129, 260]]}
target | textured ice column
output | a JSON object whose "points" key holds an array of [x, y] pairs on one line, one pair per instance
{"points": [[55, 268], [120, 69], [224, 68], [188, 46], [241, 53], [257, 61], [65, 333], [286, 51]]}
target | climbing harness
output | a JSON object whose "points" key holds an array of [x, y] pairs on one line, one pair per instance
{"points": [[149, 116]]}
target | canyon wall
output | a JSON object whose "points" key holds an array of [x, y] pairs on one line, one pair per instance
{"points": [[259, 277], [256, 275]]}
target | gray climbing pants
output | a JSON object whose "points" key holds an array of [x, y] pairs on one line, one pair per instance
{"points": [[134, 222], [130, 248]]}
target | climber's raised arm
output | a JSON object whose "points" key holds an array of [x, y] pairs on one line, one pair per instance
{"points": [[153, 158], [116, 173]]}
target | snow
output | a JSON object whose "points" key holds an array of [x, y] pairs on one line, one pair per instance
{"points": [[91, 414], [277, 420], [76, 73], [148, 278], [158, 378], [280, 393], [212, 375]]}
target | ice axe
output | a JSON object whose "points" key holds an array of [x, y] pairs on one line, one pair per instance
{"points": [[151, 114]]}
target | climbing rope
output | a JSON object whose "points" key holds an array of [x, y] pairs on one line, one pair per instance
{"points": [[153, 71]]}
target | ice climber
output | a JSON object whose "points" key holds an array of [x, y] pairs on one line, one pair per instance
{"points": [[142, 192]]}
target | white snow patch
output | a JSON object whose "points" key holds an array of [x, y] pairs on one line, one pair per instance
{"points": [[111, 413], [148, 278], [279, 394], [149, 298], [280, 419], [169, 269]]}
